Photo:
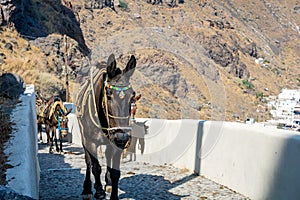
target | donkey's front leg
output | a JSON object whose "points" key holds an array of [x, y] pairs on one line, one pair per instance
{"points": [[108, 155], [113, 157], [87, 193], [115, 176], [60, 142], [48, 130], [51, 140], [96, 170], [55, 138]]}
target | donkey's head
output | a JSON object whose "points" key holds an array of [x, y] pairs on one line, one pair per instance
{"points": [[61, 116], [116, 101], [133, 108], [63, 125]]}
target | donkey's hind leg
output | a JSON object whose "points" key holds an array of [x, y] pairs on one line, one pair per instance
{"points": [[40, 129], [50, 133]]}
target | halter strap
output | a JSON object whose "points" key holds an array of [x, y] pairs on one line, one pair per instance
{"points": [[117, 88], [104, 102], [58, 125]]}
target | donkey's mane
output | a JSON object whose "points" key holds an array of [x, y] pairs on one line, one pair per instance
{"points": [[88, 88]]}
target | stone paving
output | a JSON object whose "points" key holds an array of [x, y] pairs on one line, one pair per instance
{"points": [[62, 177]]}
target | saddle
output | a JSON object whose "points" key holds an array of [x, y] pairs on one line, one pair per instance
{"points": [[57, 103]]}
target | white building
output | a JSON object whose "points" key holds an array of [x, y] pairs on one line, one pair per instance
{"points": [[287, 106]]}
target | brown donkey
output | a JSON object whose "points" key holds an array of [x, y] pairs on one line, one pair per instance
{"points": [[103, 108]]}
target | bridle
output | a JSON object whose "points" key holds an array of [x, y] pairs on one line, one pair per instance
{"points": [[107, 130], [120, 89], [59, 126]]}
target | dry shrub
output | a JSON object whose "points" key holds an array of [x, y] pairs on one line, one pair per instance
{"points": [[32, 65]]}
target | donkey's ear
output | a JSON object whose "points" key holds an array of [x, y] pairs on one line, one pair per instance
{"points": [[128, 71], [137, 98], [68, 111], [111, 66]]}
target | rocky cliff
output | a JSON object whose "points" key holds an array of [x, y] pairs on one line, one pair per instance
{"points": [[201, 59]]}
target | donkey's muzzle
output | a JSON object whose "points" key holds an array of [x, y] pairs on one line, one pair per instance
{"points": [[64, 132], [122, 137]]}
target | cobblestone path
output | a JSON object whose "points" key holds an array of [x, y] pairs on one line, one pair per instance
{"points": [[62, 177]]}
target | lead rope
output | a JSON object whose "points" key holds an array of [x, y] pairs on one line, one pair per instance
{"points": [[96, 123], [106, 108]]}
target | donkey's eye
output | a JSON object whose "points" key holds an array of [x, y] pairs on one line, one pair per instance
{"points": [[109, 92], [131, 99]]}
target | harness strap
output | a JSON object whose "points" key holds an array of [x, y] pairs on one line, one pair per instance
{"points": [[105, 106], [62, 110], [117, 128]]}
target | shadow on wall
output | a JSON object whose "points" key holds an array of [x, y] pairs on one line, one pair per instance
{"points": [[139, 130], [33, 19], [156, 187], [286, 177], [198, 147], [205, 145]]}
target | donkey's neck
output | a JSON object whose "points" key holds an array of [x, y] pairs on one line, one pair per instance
{"points": [[98, 85]]}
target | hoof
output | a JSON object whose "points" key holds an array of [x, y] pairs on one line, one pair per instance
{"points": [[100, 195], [114, 198], [108, 188], [87, 197]]}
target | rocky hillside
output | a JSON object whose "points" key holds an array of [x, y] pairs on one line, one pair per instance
{"points": [[202, 59]]}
